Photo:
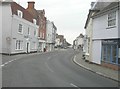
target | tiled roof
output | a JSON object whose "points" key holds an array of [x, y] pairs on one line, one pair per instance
{"points": [[34, 13], [26, 15]]}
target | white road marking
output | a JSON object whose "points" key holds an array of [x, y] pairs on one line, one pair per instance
{"points": [[49, 67], [7, 62], [73, 85]]}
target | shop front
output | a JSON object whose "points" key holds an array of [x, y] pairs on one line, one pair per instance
{"points": [[110, 53]]}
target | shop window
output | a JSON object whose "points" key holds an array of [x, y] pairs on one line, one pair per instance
{"points": [[110, 53], [104, 53], [114, 54]]}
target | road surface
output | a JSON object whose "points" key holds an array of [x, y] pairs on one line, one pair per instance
{"points": [[52, 69]]}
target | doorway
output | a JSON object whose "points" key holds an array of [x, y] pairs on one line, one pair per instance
{"points": [[28, 47]]}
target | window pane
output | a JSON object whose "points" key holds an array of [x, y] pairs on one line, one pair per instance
{"points": [[114, 53], [112, 22], [108, 52], [34, 32], [112, 19], [19, 44], [16, 44], [28, 30], [103, 52], [20, 28]]}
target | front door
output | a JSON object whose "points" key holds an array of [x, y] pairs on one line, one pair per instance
{"points": [[28, 47]]}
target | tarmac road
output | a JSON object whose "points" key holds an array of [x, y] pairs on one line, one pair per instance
{"points": [[52, 69]]}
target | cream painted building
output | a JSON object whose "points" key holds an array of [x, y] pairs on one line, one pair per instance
{"points": [[88, 36]]}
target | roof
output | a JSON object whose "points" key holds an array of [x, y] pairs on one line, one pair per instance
{"points": [[26, 15], [111, 6], [89, 16], [41, 14], [15, 7], [34, 13]]}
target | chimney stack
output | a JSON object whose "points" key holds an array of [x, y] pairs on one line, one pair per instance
{"points": [[31, 4]]}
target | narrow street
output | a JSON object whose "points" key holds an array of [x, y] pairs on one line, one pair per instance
{"points": [[52, 69]]}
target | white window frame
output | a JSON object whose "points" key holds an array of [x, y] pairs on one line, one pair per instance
{"points": [[112, 19], [34, 21], [20, 13], [19, 45], [28, 31], [20, 29], [35, 32]]}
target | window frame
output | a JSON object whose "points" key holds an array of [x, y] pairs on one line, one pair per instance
{"points": [[28, 31], [112, 19], [18, 44], [20, 28], [35, 32], [105, 55], [34, 21], [20, 13]]}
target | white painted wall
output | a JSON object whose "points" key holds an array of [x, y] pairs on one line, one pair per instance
{"points": [[0, 27], [80, 41], [10, 25], [31, 38], [6, 27], [54, 30], [50, 35], [0, 44], [49, 28], [101, 30], [119, 21], [96, 50], [57, 42], [89, 34]]}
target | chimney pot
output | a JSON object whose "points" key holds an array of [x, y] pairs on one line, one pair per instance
{"points": [[31, 4]]}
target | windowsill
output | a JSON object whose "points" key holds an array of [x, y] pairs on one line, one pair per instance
{"points": [[34, 49], [111, 27], [20, 33], [19, 49], [87, 54]]}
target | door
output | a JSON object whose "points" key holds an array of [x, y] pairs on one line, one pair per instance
{"points": [[28, 47]]}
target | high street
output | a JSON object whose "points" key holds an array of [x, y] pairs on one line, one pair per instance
{"points": [[52, 69]]}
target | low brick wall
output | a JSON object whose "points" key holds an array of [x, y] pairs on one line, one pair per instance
{"points": [[111, 66]]}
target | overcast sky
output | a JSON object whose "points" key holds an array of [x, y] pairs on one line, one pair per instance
{"points": [[69, 16]]}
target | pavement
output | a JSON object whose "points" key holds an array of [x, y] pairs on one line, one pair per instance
{"points": [[103, 71]]}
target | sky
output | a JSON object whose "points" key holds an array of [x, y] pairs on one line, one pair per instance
{"points": [[69, 16]]}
